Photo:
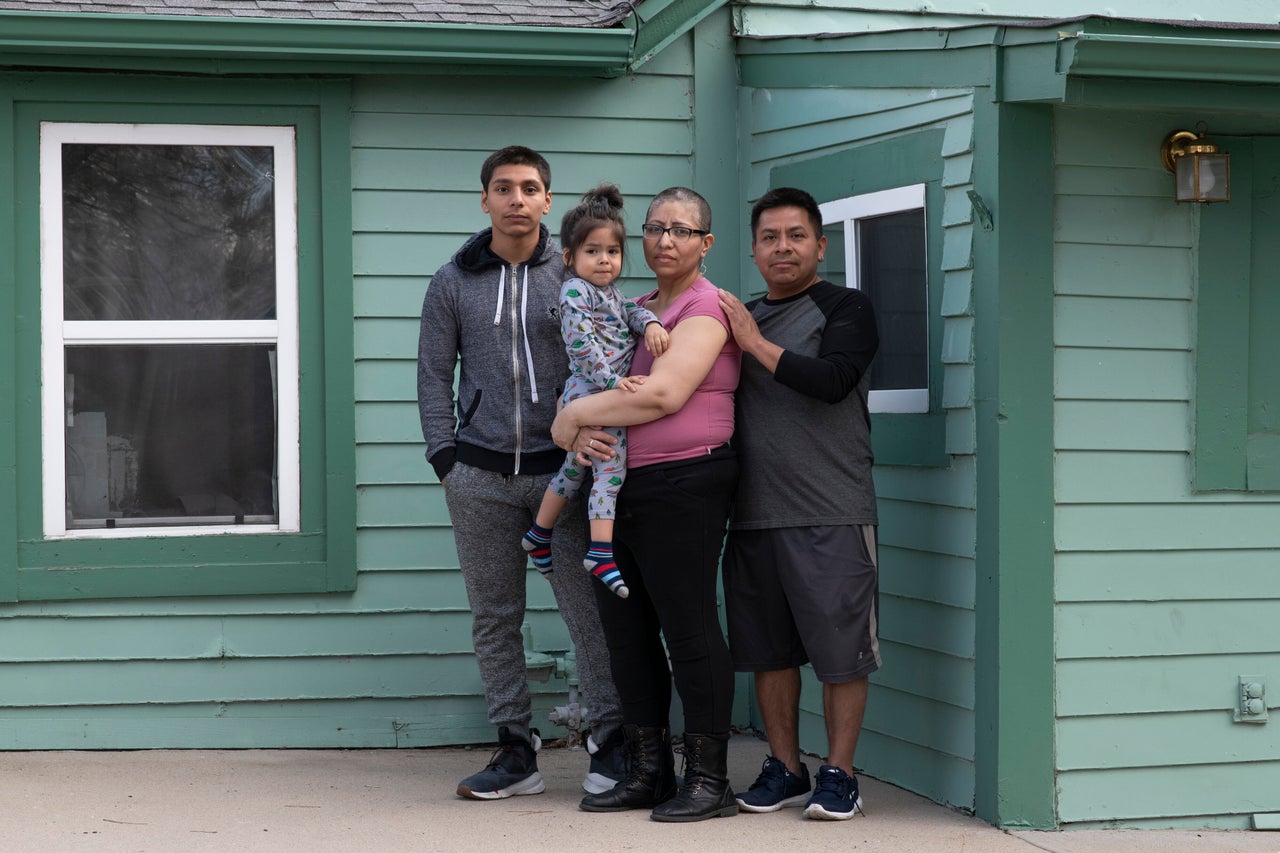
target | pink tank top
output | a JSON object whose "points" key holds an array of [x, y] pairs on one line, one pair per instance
{"points": [[706, 420]]}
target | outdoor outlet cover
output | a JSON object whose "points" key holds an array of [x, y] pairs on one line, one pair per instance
{"points": [[1251, 700]]}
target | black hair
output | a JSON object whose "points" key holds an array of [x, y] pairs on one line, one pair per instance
{"points": [[787, 197], [688, 196], [600, 207], [515, 155]]}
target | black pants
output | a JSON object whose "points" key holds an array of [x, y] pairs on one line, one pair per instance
{"points": [[667, 541]]}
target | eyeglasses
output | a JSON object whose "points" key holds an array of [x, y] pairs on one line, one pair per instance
{"points": [[678, 232]]}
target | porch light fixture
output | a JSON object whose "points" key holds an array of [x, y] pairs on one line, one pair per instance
{"points": [[1202, 172]]}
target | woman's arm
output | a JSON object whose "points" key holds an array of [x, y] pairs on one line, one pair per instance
{"points": [[695, 344]]}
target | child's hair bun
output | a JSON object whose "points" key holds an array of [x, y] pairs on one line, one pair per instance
{"points": [[605, 200]]}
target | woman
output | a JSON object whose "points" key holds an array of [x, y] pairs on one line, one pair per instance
{"points": [[670, 525]]}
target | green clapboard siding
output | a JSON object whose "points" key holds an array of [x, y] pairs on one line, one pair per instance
{"points": [[1087, 269], [389, 296], [1121, 425], [928, 674], [927, 577], [299, 723], [1167, 575], [1099, 687], [389, 663], [1144, 740], [1121, 323], [919, 727], [428, 546], [1229, 791], [393, 463], [1165, 595]]}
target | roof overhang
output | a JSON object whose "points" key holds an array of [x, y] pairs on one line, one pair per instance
{"points": [[1095, 52], [1215, 56], [257, 45], [1059, 60], [663, 21]]}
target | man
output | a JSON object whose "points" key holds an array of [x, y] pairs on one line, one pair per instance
{"points": [[800, 563], [492, 313]]}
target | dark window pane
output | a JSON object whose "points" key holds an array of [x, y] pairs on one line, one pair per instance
{"points": [[891, 259], [168, 232], [170, 435]]}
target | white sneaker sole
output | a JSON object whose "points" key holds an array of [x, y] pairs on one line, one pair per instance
{"points": [[790, 802], [531, 784], [817, 812], [597, 783]]}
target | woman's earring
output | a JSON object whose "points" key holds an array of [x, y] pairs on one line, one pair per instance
{"points": [[702, 270]]}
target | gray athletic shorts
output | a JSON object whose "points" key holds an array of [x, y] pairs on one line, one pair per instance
{"points": [[796, 595]]}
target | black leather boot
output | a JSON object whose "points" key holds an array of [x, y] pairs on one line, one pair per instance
{"points": [[651, 773], [705, 792]]}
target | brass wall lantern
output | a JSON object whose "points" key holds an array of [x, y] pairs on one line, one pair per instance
{"points": [[1202, 171]]}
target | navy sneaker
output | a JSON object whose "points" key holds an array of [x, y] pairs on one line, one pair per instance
{"points": [[512, 770], [775, 788], [608, 763], [835, 795]]}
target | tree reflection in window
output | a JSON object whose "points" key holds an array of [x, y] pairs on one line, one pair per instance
{"points": [[173, 433], [168, 232]]}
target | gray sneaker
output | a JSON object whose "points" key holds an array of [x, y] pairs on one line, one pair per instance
{"points": [[775, 788], [513, 770], [608, 763]]}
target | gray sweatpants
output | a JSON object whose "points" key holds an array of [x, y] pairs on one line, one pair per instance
{"points": [[490, 513]]}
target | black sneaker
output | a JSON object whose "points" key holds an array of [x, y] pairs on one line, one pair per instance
{"points": [[608, 763], [512, 770], [775, 788], [835, 795]]}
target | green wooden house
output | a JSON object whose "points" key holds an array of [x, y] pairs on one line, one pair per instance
{"points": [[1075, 432]]}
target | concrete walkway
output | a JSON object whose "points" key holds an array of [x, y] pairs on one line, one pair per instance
{"points": [[393, 800]]}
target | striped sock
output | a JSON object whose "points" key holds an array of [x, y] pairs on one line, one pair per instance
{"points": [[537, 541], [600, 563]]}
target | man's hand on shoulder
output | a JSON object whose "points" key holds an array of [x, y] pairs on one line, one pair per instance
{"points": [[743, 325], [746, 333]]}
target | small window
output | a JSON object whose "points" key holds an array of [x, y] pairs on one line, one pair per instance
{"points": [[877, 242], [169, 308]]}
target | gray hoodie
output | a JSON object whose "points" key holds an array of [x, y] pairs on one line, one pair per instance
{"points": [[502, 321]]}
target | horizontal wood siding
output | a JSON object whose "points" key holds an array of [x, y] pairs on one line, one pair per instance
{"points": [[919, 729], [390, 664], [1164, 595]]}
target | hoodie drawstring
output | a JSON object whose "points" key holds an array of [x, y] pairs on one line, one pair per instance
{"points": [[524, 329], [524, 326], [497, 311]]}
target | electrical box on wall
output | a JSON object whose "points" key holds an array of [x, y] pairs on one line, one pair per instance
{"points": [[1251, 700]]}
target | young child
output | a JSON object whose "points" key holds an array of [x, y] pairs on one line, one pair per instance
{"points": [[597, 322]]}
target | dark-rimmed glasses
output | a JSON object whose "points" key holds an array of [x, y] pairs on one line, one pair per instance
{"points": [[678, 232]]}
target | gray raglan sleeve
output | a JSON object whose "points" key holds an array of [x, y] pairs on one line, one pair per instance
{"points": [[437, 360]]}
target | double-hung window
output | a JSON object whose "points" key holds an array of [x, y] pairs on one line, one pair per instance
{"points": [[180, 341], [169, 327], [877, 243]]}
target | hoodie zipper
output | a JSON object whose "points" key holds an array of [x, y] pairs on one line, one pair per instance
{"points": [[515, 365]]}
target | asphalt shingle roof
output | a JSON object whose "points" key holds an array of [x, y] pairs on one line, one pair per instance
{"points": [[538, 13]]}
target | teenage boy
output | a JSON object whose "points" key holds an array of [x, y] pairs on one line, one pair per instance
{"points": [[491, 313], [800, 575]]}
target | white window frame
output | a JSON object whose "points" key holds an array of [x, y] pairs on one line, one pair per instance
{"points": [[846, 213], [57, 333]]}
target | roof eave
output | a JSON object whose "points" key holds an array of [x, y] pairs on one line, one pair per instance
{"points": [[664, 21], [234, 45], [1249, 57]]}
